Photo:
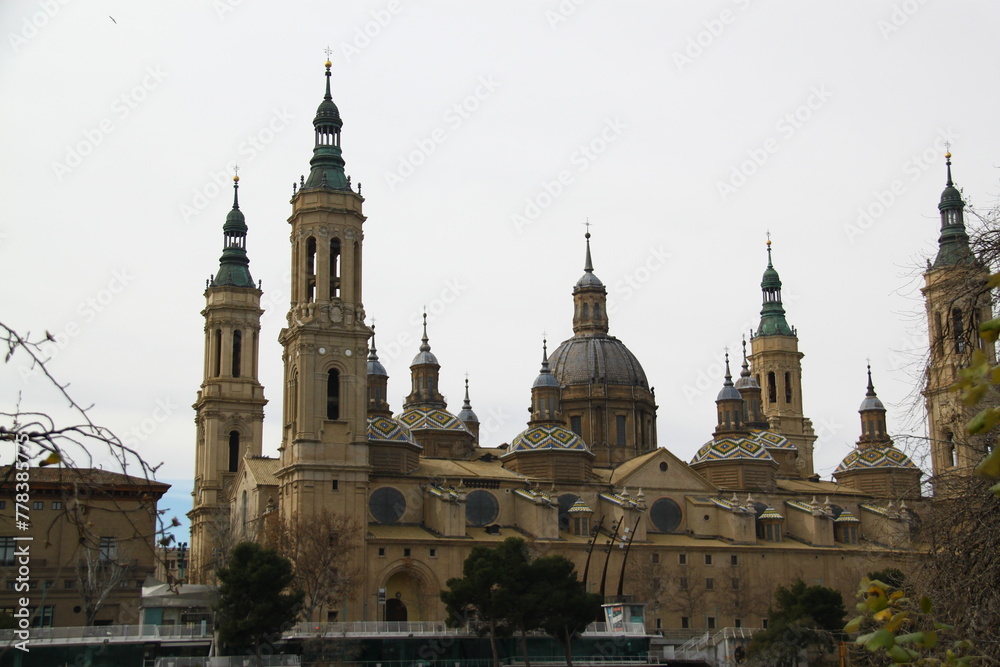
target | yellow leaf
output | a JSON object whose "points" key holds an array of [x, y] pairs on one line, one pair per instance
{"points": [[990, 466], [854, 625], [897, 621], [51, 459]]}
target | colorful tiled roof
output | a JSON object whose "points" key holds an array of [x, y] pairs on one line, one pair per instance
{"points": [[580, 507], [772, 440], [431, 419], [867, 458], [546, 437], [847, 517], [732, 449], [384, 429], [770, 514]]}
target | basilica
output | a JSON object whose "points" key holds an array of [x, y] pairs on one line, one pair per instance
{"points": [[703, 542]]}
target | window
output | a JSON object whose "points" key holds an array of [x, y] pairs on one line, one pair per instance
{"points": [[736, 584], [957, 329], [709, 584], [331, 616], [69, 583], [310, 269], [711, 622], [682, 584], [56, 505], [788, 387], [772, 388], [737, 622], [682, 559], [333, 394], [218, 353], [108, 548], [659, 623], [38, 505], [381, 552], [237, 352], [576, 425], [234, 451], [48, 583], [43, 618], [334, 484], [734, 560], [708, 559], [620, 429], [656, 558], [432, 553], [334, 268], [6, 550], [406, 552], [763, 623], [685, 622], [3, 504]]}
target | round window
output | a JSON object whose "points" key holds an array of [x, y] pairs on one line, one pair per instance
{"points": [[481, 508], [387, 504], [665, 515]]}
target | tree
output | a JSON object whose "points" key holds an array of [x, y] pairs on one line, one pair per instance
{"points": [[563, 605], [102, 569], [253, 599], [321, 549], [802, 617], [490, 590]]}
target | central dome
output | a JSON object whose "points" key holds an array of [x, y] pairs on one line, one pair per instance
{"points": [[596, 358]]}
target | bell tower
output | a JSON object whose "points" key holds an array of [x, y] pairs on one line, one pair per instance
{"points": [[776, 365], [957, 302], [230, 405], [324, 448]]}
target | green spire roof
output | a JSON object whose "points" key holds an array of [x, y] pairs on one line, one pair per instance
{"points": [[327, 161], [234, 265], [772, 315], [953, 244]]}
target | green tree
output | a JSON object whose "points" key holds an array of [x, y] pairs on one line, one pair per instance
{"points": [[490, 592], [253, 602], [802, 617], [563, 607]]}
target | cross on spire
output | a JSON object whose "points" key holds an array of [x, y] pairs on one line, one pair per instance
{"points": [[328, 51]]}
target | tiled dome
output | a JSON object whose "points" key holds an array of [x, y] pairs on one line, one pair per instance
{"points": [[384, 429], [867, 458], [732, 449], [431, 419], [596, 358], [547, 437]]}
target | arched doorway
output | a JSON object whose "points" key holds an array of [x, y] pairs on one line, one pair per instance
{"points": [[404, 596]]}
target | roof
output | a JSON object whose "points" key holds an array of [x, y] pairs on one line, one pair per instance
{"points": [[546, 437], [450, 468], [876, 458], [588, 358], [262, 469], [826, 488], [432, 419], [385, 429], [61, 475], [732, 449], [772, 440]]}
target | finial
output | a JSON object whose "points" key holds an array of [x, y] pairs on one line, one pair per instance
{"points": [[947, 161], [745, 372], [424, 344], [729, 376], [372, 352], [328, 65], [468, 404], [871, 387], [328, 51], [769, 265], [589, 264], [236, 186]]}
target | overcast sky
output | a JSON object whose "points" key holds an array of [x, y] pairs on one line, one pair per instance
{"points": [[484, 136]]}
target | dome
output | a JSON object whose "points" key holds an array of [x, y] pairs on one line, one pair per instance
{"points": [[871, 458], [871, 403], [732, 449], [772, 440], [235, 221], [432, 419], [384, 429], [951, 198], [424, 357], [596, 358], [747, 382], [729, 393], [547, 437], [375, 367], [468, 415], [589, 280]]}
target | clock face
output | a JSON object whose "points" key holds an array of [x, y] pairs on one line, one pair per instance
{"points": [[348, 353], [322, 350]]}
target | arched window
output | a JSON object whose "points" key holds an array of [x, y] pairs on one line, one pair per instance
{"points": [[234, 451], [586, 311], [957, 329], [949, 450], [333, 394], [237, 352], [217, 371], [597, 311], [334, 268], [310, 269], [788, 387], [772, 389]]}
